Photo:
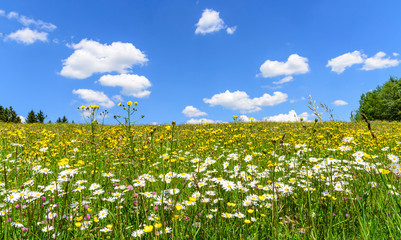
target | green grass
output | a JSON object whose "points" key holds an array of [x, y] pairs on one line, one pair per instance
{"points": [[288, 181]]}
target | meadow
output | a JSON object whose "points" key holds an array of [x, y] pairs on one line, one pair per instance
{"points": [[259, 180]]}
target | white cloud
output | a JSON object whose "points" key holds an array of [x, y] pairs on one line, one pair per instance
{"points": [[231, 30], [339, 63], [23, 120], [133, 85], [290, 117], [284, 80], [378, 61], [295, 65], [202, 120], [94, 97], [117, 98], [92, 57], [240, 100], [26, 21], [244, 118], [395, 54], [191, 111], [27, 36], [209, 22], [340, 103], [37, 23], [12, 15]]}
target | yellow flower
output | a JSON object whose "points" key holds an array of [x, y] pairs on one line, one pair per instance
{"points": [[82, 107], [178, 207], [109, 226], [247, 221], [158, 225], [148, 228], [119, 104], [89, 209], [79, 218], [136, 103], [192, 199], [129, 103], [250, 210], [96, 219], [77, 224]]}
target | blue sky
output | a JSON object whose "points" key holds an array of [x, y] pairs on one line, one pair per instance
{"points": [[193, 61]]}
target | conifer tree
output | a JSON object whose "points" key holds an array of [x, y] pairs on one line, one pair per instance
{"points": [[40, 116], [31, 117]]}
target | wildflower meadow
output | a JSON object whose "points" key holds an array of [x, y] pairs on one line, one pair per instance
{"points": [[256, 180]]}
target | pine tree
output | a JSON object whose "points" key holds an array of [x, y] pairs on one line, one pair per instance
{"points": [[64, 120], [3, 114], [9, 115], [40, 116], [58, 120], [31, 117], [13, 116]]}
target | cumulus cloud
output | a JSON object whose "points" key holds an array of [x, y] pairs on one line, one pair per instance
{"points": [[240, 100], [92, 57], [378, 61], [231, 30], [132, 85], [209, 22], [201, 121], [27, 36], [12, 15], [295, 64], [29, 22], [191, 111], [94, 97], [244, 118], [340, 102], [23, 120], [292, 116], [37, 23], [117, 98], [340, 63], [284, 80]]}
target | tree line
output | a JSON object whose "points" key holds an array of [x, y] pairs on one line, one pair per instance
{"points": [[8, 115]]}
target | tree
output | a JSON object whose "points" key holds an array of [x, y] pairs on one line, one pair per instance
{"points": [[3, 114], [40, 116], [62, 120], [383, 103], [13, 116], [31, 117], [9, 115]]}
